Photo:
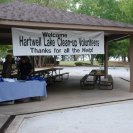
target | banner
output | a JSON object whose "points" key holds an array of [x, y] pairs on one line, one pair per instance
{"points": [[56, 42]]}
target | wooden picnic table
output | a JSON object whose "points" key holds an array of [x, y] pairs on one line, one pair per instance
{"points": [[46, 72], [58, 69], [52, 74], [107, 82], [97, 77], [97, 73]]}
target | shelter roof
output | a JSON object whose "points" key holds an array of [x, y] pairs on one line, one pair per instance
{"points": [[20, 11], [23, 15]]}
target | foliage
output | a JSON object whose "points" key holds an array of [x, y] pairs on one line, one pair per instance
{"points": [[60, 4], [126, 7], [101, 8], [118, 10], [100, 58], [5, 1], [82, 64], [4, 50], [119, 49], [78, 64]]}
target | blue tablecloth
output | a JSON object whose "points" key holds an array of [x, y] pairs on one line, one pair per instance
{"points": [[23, 89]]}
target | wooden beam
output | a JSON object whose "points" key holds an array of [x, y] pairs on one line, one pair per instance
{"points": [[116, 37], [64, 26], [5, 41], [106, 58], [5, 30], [5, 35], [131, 63]]}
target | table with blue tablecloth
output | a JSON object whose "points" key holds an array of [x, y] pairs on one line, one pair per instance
{"points": [[22, 89]]}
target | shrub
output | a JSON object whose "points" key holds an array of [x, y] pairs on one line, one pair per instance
{"points": [[78, 64]]}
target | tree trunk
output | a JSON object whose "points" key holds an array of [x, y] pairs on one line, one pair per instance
{"points": [[74, 57], [123, 59], [83, 57], [128, 55], [39, 61], [63, 58], [35, 61], [91, 60], [89, 57], [47, 2], [43, 61], [55, 59]]}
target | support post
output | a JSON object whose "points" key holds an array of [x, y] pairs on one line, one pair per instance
{"points": [[33, 63], [131, 63], [106, 58]]}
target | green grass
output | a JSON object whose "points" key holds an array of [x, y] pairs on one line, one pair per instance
{"points": [[87, 63], [72, 63], [118, 64]]}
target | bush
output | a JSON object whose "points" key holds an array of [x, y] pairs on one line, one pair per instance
{"points": [[81, 64], [78, 64]]}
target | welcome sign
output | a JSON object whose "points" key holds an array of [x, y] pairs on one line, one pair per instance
{"points": [[56, 42]]}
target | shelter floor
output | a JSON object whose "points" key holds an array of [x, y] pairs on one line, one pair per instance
{"points": [[69, 94]]}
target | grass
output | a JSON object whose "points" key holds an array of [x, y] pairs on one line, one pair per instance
{"points": [[72, 63], [118, 64], [87, 63]]}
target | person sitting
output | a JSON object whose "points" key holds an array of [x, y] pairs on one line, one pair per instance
{"points": [[25, 68], [7, 67]]}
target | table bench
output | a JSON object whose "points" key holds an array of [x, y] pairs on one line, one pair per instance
{"points": [[87, 81], [61, 76], [106, 83]]}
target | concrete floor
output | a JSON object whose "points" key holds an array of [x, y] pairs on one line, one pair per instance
{"points": [[105, 118], [69, 94]]}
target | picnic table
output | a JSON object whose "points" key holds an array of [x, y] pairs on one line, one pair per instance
{"points": [[59, 75], [95, 77], [52, 74], [97, 73]]}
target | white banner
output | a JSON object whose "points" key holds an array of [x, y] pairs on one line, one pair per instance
{"points": [[56, 42]]}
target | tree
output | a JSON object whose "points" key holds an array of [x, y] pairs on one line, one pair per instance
{"points": [[119, 49], [108, 9], [126, 7], [118, 10], [60, 4], [5, 1], [4, 50]]}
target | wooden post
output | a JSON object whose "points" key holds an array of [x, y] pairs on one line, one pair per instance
{"points": [[131, 63], [106, 58], [33, 64]]}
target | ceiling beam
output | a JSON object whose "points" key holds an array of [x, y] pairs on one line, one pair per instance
{"points": [[5, 30], [116, 37], [5, 41], [5, 35], [65, 26]]}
